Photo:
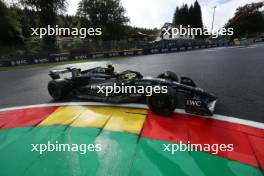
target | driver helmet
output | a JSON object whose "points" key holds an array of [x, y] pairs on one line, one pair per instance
{"points": [[110, 67], [130, 76]]}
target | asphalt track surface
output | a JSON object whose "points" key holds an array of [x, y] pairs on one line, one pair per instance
{"points": [[235, 75]]}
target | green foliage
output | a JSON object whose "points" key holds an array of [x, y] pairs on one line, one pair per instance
{"points": [[47, 11], [246, 22], [67, 21], [27, 18], [196, 16], [141, 34], [188, 15], [10, 29], [106, 14]]}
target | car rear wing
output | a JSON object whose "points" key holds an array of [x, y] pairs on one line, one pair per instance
{"points": [[56, 74]]}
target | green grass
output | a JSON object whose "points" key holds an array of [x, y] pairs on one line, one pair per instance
{"points": [[11, 68]]}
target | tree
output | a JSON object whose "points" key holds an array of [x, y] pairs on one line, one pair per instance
{"points": [[181, 15], [106, 14], [185, 15], [10, 29], [27, 18], [189, 15], [47, 10], [246, 21], [197, 16], [175, 16]]}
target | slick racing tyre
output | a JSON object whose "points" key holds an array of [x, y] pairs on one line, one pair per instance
{"points": [[59, 89], [169, 75], [163, 104]]}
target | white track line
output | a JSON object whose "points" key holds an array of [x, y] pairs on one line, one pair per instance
{"points": [[142, 106]]}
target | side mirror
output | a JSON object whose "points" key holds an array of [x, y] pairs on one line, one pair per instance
{"points": [[54, 75]]}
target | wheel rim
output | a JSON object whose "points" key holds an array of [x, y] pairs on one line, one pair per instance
{"points": [[160, 101]]}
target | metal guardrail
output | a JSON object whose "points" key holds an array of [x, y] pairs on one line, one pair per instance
{"points": [[110, 54]]}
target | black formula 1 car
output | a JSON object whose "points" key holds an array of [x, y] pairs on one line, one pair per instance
{"points": [[103, 84]]}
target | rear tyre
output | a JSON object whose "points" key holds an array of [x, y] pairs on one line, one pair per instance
{"points": [[169, 75], [163, 104], [59, 89]]}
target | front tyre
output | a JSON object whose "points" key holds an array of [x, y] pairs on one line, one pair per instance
{"points": [[163, 104], [59, 89]]}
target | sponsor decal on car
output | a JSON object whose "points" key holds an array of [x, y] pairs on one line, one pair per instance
{"points": [[196, 103]]}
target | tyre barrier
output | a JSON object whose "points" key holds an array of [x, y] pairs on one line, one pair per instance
{"points": [[78, 57]]}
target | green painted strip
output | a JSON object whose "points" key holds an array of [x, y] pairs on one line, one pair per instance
{"points": [[9, 136], [151, 160], [122, 154], [114, 159]]}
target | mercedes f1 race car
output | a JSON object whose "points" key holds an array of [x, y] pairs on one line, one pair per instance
{"points": [[103, 84]]}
